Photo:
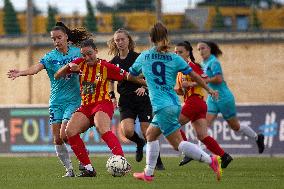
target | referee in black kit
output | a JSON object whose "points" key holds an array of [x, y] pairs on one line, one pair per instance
{"points": [[134, 100]]}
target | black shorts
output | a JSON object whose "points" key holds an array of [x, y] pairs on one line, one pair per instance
{"points": [[133, 106]]}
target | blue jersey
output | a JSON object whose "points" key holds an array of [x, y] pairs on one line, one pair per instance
{"points": [[65, 89], [160, 71], [212, 67]]}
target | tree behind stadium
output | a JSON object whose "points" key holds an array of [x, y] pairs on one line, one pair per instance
{"points": [[10, 21], [90, 20], [51, 12]]}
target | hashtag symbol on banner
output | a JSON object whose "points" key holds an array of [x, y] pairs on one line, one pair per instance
{"points": [[269, 129], [3, 130]]}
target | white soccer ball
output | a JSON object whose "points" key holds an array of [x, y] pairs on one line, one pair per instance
{"points": [[117, 166]]}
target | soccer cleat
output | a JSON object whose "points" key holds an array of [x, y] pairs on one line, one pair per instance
{"points": [[69, 173], [226, 160], [160, 166], [139, 151], [260, 143], [142, 176], [216, 166], [87, 173], [185, 160], [81, 166]]}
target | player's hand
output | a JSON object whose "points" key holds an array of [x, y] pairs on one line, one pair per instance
{"points": [[141, 91], [73, 67], [13, 74], [214, 94]]}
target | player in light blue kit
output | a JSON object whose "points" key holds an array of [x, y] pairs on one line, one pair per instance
{"points": [[160, 68], [64, 93], [225, 104]]}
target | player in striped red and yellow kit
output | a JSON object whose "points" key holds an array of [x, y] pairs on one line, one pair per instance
{"points": [[195, 108], [96, 108]]}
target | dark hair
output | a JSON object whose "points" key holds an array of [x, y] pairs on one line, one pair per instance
{"points": [[113, 50], [88, 43], [189, 48], [214, 48], [76, 36], [159, 36]]}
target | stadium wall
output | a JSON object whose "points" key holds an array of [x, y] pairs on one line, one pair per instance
{"points": [[253, 70]]}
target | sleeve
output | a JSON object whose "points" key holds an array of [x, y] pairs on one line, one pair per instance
{"points": [[136, 68], [182, 65], [78, 61], [44, 61], [197, 68], [115, 73], [216, 68]]}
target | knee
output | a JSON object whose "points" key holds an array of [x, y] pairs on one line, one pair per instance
{"points": [[200, 136], [57, 140]]}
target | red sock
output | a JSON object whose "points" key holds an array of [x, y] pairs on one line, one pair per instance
{"points": [[183, 135], [113, 143], [79, 149], [213, 146]]}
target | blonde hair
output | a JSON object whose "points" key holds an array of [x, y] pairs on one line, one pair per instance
{"points": [[159, 36], [113, 50]]}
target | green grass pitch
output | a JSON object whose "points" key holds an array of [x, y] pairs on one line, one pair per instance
{"points": [[46, 172]]}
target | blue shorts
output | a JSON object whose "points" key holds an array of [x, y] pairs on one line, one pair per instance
{"points": [[63, 112], [166, 119], [225, 106]]}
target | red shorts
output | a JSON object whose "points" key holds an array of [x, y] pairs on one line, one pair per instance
{"points": [[194, 108], [90, 110]]}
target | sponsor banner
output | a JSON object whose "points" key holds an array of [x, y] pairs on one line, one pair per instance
{"points": [[266, 119], [27, 130]]}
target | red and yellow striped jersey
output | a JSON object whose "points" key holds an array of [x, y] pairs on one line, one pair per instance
{"points": [[95, 80], [197, 90]]}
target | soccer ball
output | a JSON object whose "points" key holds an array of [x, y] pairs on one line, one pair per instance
{"points": [[117, 166]]}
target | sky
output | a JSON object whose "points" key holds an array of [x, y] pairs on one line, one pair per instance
{"points": [[70, 6]]}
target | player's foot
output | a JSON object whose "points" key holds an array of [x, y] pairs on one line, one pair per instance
{"points": [[185, 160], [226, 160], [139, 151], [142, 176], [160, 166], [87, 173], [81, 166], [260, 143], [69, 173], [216, 166]]}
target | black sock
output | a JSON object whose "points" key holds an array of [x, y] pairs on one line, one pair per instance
{"points": [[159, 161], [135, 138]]}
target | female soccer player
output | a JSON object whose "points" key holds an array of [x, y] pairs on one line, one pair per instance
{"points": [[64, 93], [96, 108], [134, 100], [225, 104], [195, 108], [160, 68]]}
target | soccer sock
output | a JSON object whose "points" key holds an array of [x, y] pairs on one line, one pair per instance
{"points": [[246, 130], [191, 150], [183, 135], [152, 153], [135, 138], [213, 146], [79, 149], [63, 155], [113, 143]]}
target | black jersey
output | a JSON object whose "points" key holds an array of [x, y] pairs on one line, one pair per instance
{"points": [[126, 87]]}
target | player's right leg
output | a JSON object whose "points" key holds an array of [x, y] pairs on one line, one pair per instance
{"points": [[56, 117], [79, 123]]}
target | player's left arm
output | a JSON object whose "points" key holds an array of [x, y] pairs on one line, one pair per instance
{"points": [[68, 68]]}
